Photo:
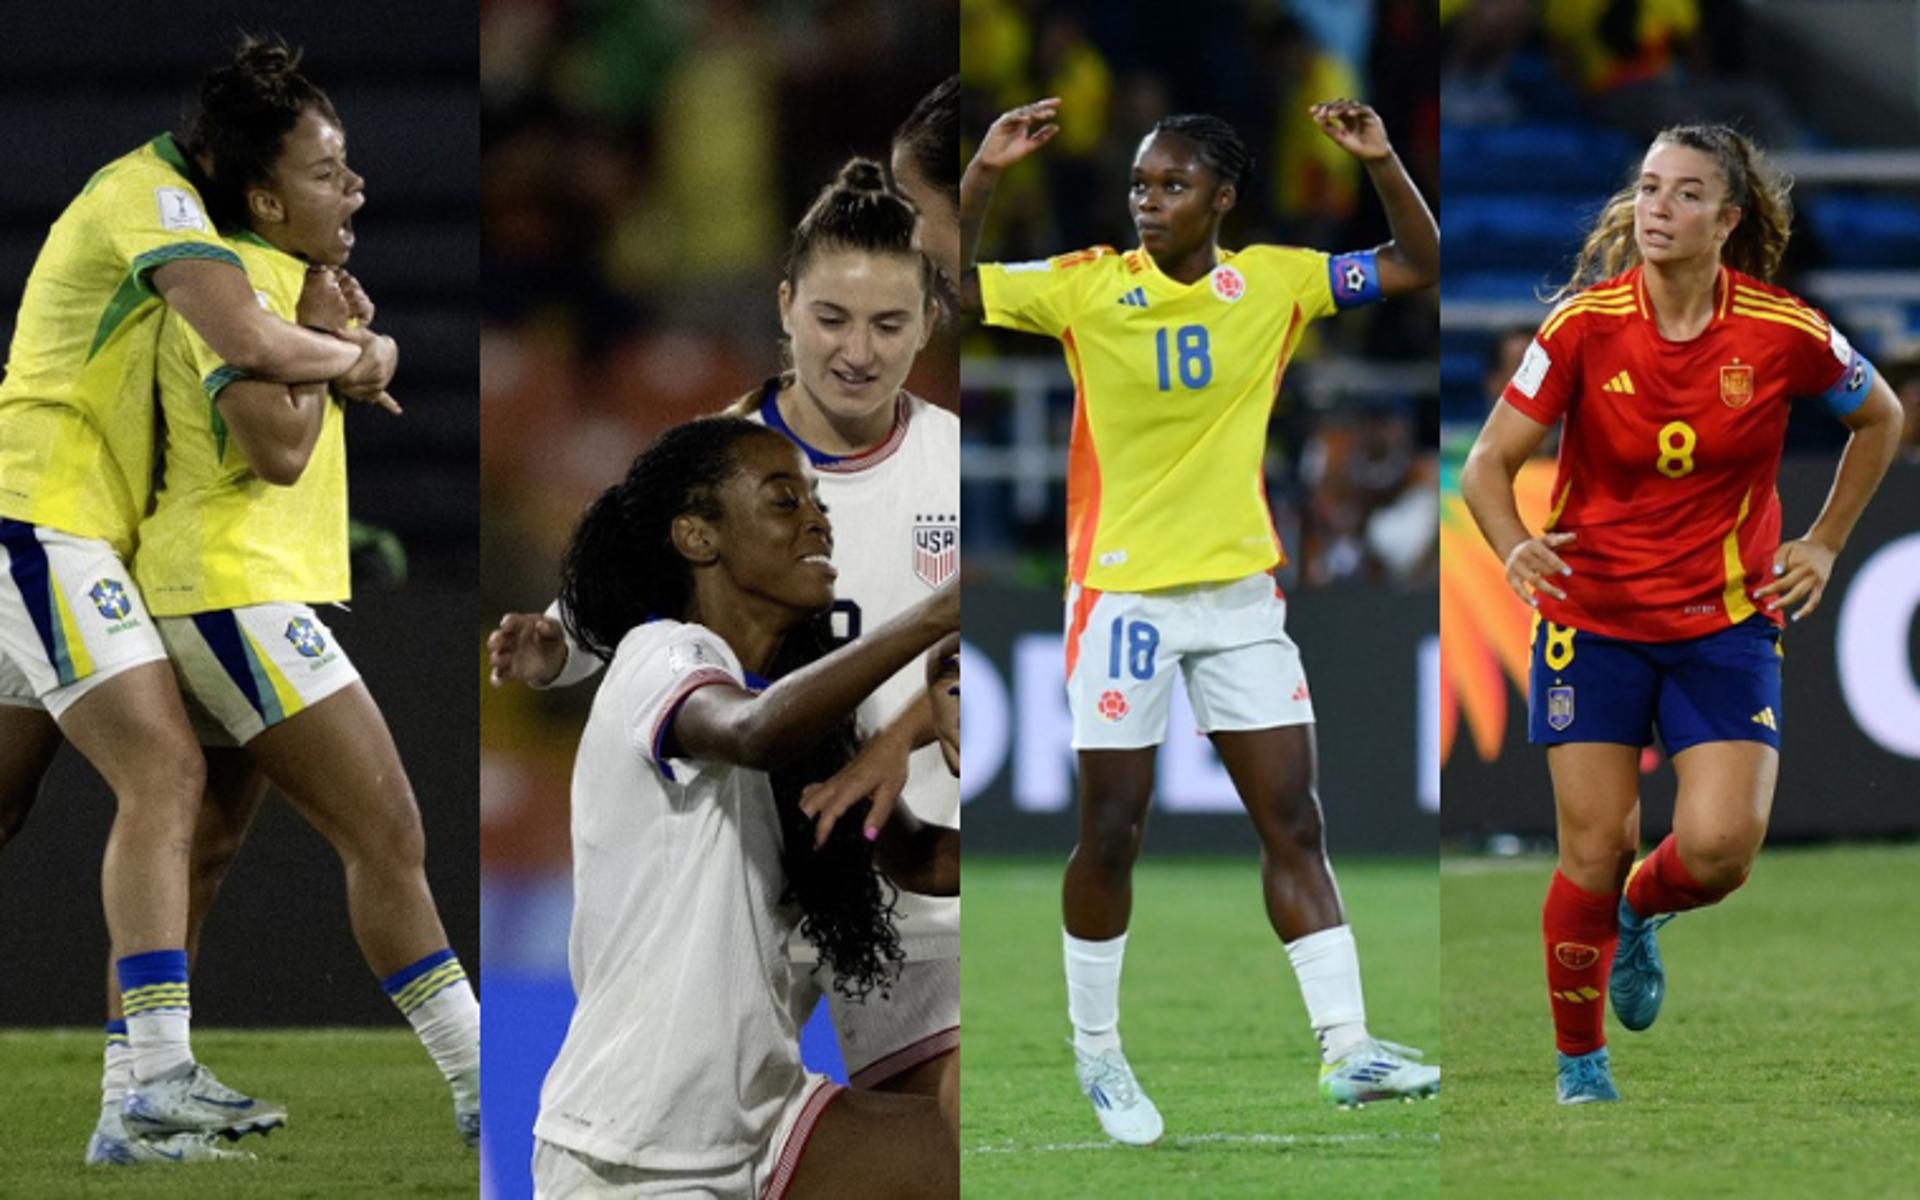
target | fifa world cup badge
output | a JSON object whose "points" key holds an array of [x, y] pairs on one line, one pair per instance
{"points": [[1559, 707], [1736, 384]]}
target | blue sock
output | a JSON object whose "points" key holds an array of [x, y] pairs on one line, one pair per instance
{"points": [[153, 994]]}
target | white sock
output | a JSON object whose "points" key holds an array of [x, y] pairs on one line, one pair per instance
{"points": [[160, 1042], [1328, 968], [448, 1025], [1093, 992], [116, 1075]]}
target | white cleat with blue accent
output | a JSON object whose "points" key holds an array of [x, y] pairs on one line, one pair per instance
{"points": [[1124, 1110], [1377, 1070], [189, 1099], [112, 1146]]}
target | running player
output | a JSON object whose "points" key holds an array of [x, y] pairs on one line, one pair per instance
{"points": [[1176, 351], [856, 305], [250, 529], [78, 652], [703, 575], [1672, 366]]}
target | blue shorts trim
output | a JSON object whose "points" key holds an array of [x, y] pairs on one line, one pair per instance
{"points": [[1724, 687]]}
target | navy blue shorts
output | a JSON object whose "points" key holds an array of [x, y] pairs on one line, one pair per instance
{"points": [[1724, 687]]}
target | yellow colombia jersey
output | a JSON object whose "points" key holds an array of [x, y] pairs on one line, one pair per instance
{"points": [[220, 536], [76, 407], [1173, 385]]}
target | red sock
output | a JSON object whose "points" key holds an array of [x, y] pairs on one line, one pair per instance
{"points": [[1662, 884], [1581, 929]]}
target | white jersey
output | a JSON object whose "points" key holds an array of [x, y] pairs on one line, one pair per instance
{"points": [[896, 528], [682, 1053]]}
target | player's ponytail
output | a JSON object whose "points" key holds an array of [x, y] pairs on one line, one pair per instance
{"points": [[930, 138], [1753, 185], [245, 109], [857, 211], [621, 568]]}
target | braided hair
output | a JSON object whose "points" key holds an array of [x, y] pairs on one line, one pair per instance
{"points": [[245, 110], [622, 570], [1219, 145], [930, 137], [1753, 185]]}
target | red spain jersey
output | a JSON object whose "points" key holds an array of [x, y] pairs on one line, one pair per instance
{"points": [[1671, 449]]}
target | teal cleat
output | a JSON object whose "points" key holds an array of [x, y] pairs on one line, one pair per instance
{"points": [[1586, 1078], [1639, 980]]}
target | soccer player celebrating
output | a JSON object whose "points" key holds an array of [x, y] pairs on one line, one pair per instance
{"points": [[250, 529], [1660, 576], [78, 651], [706, 576], [857, 305], [1176, 350]]}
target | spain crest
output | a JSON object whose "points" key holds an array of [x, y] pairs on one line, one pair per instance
{"points": [[936, 549], [1736, 384], [1559, 707]]}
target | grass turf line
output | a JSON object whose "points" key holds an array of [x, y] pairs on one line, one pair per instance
{"points": [[1781, 1065], [368, 1116], [1214, 1028]]}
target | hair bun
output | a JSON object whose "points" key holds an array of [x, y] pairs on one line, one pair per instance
{"points": [[265, 57], [862, 175]]}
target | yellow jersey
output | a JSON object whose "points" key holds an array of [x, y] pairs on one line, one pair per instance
{"points": [[76, 407], [1173, 386], [220, 536]]}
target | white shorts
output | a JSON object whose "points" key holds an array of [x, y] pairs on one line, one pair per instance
{"points": [[879, 1039], [1229, 641], [563, 1174], [245, 670], [71, 617]]}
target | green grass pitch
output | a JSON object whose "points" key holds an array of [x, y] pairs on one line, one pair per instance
{"points": [[1214, 1028], [368, 1116], [1783, 1062]]}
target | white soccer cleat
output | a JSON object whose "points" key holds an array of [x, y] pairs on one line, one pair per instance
{"points": [[1124, 1110], [1377, 1070], [112, 1146], [189, 1099], [467, 1121]]}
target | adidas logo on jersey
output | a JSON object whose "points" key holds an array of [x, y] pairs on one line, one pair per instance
{"points": [[1622, 383], [1765, 717], [1137, 298]]}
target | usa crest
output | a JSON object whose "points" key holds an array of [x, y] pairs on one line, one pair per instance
{"points": [[1736, 384], [110, 597], [936, 549], [307, 640], [1228, 283], [1559, 707]]}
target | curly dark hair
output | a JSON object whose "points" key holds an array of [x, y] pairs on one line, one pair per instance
{"points": [[245, 109], [622, 570], [1219, 144]]}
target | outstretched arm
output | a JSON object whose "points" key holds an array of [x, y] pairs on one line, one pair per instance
{"points": [[768, 730], [1011, 138], [1410, 261]]}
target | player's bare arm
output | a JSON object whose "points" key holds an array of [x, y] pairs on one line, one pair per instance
{"points": [[529, 648], [1411, 260], [943, 695], [878, 773], [1506, 441], [1012, 137], [216, 299], [276, 425], [919, 856], [1802, 567], [767, 730]]}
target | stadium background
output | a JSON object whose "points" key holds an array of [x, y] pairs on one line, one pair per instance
{"points": [[644, 166], [1543, 119], [1547, 108], [1350, 471], [79, 91]]}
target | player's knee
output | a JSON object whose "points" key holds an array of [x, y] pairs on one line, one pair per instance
{"points": [[1719, 862], [1597, 853], [1297, 824], [1113, 845]]}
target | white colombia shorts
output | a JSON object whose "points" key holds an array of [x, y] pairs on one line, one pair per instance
{"points": [[563, 1174], [245, 670], [1229, 641], [880, 1038], [71, 617]]}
